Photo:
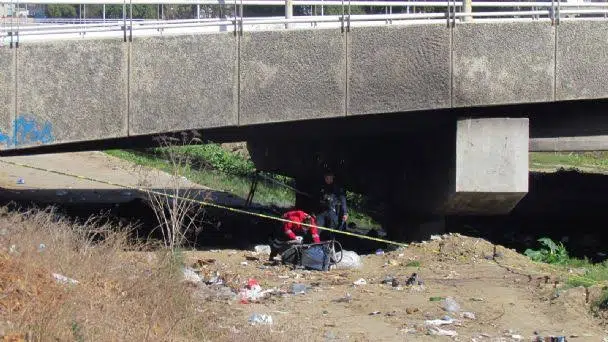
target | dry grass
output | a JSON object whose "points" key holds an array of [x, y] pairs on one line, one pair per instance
{"points": [[124, 291], [119, 296]]}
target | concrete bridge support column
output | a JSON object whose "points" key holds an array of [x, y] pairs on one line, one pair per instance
{"points": [[478, 167]]}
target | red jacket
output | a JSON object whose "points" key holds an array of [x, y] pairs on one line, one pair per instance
{"points": [[291, 229]]}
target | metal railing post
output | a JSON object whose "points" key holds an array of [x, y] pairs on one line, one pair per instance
{"points": [[124, 21], [288, 12], [468, 9]]}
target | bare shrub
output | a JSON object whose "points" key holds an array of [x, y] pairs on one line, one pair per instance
{"points": [[176, 217]]}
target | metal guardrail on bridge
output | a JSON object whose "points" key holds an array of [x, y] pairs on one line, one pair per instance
{"points": [[13, 31]]}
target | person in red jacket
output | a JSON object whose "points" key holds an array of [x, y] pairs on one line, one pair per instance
{"points": [[294, 232]]}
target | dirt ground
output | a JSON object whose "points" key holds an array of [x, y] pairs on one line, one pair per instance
{"points": [[509, 296]]}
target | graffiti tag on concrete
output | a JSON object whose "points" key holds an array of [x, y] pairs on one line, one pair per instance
{"points": [[28, 131]]}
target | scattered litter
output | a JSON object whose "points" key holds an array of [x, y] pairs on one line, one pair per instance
{"points": [[374, 313], [346, 299], [215, 280], [517, 337], [41, 247], [252, 258], [12, 249], [414, 280], [401, 255], [395, 282], [283, 277], [390, 314], [438, 322], [435, 299], [436, 238], [468, 315], [442, 332], [260, 319], [477, 299], [550, 339], [20, 181], [262, 249], [251, 292], [379, 252], [63, 279], [348, 260], [450, 305], [299, 288], [410, 311], [191, 276], [244, 263], [388, 280], [360, 281], [202, 262]]}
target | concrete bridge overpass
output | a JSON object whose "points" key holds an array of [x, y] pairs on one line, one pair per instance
{"points": [[433, 112]]}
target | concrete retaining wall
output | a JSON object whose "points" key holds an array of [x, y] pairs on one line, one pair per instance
{"points": [[503, 63], [393, 69], [71, 91], [292, 75], [582, 60], [183, 82]]}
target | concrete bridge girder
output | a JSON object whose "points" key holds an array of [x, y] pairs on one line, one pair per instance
{"points": [[108, 88]]}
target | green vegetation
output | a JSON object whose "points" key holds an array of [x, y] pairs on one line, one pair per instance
{"points": [[414, 263], [219, 169], [556, 254], [585, 161], [550, 253], [212, 178]]}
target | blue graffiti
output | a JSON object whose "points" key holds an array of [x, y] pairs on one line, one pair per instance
{"points": [[28, 131]]}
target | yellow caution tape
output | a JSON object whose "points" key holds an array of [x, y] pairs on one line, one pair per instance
{"points": [[203, 203]]}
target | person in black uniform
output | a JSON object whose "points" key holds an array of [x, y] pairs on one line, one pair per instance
{"points": [[332, 211]]}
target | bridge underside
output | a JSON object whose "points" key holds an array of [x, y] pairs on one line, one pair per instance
{"points": [[430, 119]]}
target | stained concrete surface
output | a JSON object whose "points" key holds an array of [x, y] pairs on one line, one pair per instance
{"points": [[582, 60], [7, 95], [183, 82], [503, 63], [398, 68], [292, 75], [71, 91]]}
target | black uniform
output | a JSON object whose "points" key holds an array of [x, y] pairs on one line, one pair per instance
{"points": [[332, 206]]}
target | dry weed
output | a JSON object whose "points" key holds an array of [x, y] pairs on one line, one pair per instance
{"points": [[118, 296]]}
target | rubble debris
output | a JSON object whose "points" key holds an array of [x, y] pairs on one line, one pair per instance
{"points": [[438, 322], [441, 332], [63, 279], [436, 238], [379, 252], [191, 276], [360, 282], [299, 288], [244, 263], [203, 262], [414, 279], [262, 249], [20, 181], [410, 311], [450, 305], [346, 299], [256, 318], [374, 313], [252, 258], [468, 315]]}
